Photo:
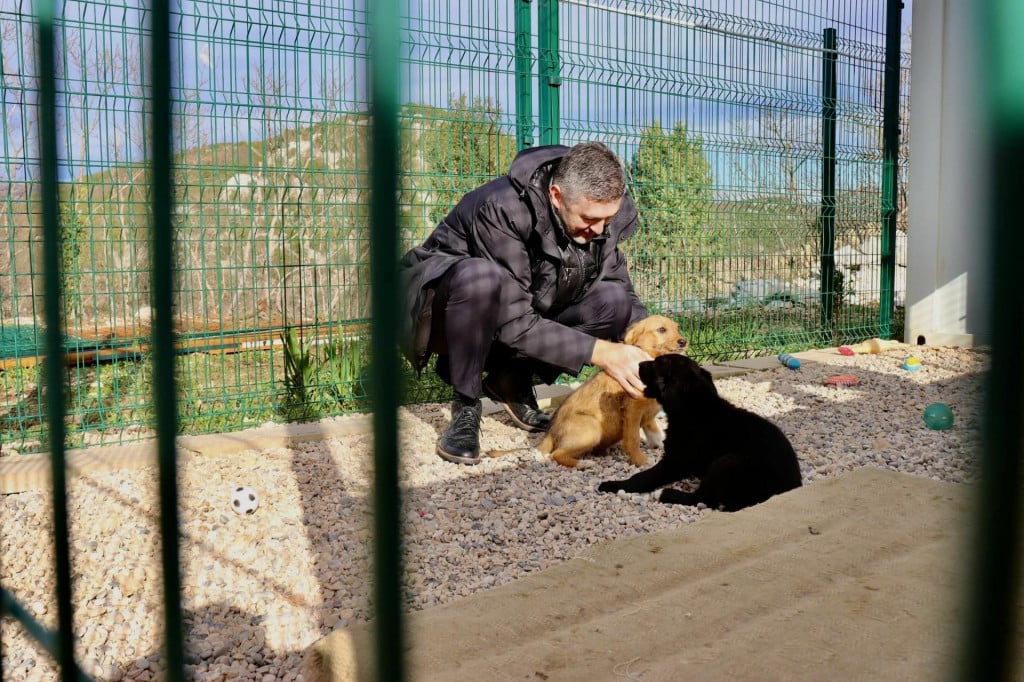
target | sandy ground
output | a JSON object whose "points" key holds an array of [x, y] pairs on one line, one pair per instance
{"points": [[259, 590]]}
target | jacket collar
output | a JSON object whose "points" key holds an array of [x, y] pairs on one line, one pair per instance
{"points": [[532, 167], [530, 174]]}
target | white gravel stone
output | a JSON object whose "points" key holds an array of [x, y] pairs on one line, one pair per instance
{"points": [[259, 589]]}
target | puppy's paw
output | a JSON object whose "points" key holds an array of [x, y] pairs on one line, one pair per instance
{"points": [[639, 461], [585, 464], [655, 438]]}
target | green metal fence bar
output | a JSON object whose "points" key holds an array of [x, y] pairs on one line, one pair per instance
{"points": [[524, 75], [890, 165], [55, 402], [162, 276], [550, 72], [988, 648], [384, 105], [50, 641], [829, 61]]}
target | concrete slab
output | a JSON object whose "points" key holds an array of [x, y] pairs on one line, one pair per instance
{"points": [[722, 371], [852, 578], [753, 364], [823, 356], [19, 473]]}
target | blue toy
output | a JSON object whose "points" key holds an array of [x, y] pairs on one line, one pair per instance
{"points": [[789, 361]]}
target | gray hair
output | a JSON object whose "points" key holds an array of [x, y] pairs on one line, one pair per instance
{"points": [[592, 171]]}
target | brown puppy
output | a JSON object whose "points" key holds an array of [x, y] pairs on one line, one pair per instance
{"points": [[600, 413]]}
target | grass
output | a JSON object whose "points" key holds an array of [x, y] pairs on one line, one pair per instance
{"points": [[305, 380]]}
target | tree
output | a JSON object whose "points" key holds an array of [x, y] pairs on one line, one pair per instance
{"points": [[671, 185], [782, 155], [461, 148], [17, 121]]}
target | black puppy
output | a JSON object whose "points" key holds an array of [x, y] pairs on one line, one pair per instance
{"points": [[740, 458]]}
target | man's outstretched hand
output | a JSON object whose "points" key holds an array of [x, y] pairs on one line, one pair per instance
{"points": [[621, 362]]}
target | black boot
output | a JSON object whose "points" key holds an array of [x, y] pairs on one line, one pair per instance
{"points": [[512, 388], [460, 442]]}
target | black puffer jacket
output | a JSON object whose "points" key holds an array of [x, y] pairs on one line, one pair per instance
{"points": [[509, 222]]}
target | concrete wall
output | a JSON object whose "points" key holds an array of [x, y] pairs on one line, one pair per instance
{"points": [[947, 250]]}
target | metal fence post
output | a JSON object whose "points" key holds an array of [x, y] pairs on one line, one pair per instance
{"points": [[165, 394], [55, 397], [828, 178], [988, 649], [550, 70], [385, 47], [524, 75], [890, 164]]}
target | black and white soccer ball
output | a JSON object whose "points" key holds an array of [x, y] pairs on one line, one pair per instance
{"points": [[244, 500]]}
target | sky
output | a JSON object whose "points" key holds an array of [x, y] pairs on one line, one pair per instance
{"points": [[250, 68]]}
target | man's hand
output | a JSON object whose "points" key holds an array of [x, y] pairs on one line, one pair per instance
{"points": [[621, 362]]}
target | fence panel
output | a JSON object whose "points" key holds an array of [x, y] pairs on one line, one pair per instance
{"points": [[717, 113], [721, 116]]}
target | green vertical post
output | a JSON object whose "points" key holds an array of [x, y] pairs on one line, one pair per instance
{"points": [[550, 71], [54, 367], [827, 218], [385, 47], [162, 287], [890, 163], [50, 641], [524, 75], [988, 649]]}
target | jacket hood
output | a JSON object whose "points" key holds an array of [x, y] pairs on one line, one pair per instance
{"points": [[527, 162]]}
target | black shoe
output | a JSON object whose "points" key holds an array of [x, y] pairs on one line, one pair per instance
{"points": [[460, 442], [514, 392]]}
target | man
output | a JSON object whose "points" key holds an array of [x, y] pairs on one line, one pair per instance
{"points": [[525, 277]]}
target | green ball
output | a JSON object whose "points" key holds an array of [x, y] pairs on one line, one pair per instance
{"points": [[938, 416]]}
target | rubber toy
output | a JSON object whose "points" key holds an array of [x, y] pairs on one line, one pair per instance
{"points": [[912, 364], [938, 417], [789, 361], [842, 380]]}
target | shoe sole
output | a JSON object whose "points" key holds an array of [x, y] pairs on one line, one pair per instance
{"points": [[515, 420], [457, 459]]}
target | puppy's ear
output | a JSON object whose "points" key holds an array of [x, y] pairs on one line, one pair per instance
{"points": [[632, 333], [709, 380], [683, 380], [653, 382]]}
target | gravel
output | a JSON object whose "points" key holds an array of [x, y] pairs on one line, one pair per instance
{"points": [[259, 589]]}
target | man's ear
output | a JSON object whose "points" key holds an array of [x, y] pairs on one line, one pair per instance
{"points": [[557, 198]]}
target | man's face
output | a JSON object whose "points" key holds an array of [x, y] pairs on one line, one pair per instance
{"points": [[584, 219]]}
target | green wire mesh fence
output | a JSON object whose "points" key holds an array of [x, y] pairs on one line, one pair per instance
{"points": [[757, 153], [264, 226]]}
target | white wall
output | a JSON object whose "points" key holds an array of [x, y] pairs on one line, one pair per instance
{"points": [[947, 250]]}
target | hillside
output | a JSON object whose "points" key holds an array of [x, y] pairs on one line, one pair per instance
{"points": [[269, 230]]}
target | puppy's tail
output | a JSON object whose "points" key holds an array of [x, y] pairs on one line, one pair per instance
{"points": [[509, 451], [545, 447]]}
